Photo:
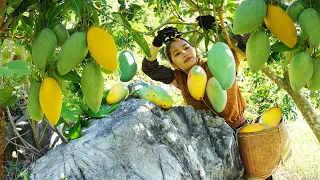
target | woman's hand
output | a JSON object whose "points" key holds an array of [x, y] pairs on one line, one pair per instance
{"points": [[206, 22], [165, 34]]}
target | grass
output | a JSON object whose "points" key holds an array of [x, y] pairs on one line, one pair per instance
{"points": [[304, 163]]}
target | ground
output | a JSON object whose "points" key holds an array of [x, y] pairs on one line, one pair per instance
{"points": [[304, 162]]}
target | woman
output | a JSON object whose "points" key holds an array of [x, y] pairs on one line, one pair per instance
{"points": [[182, 56]]}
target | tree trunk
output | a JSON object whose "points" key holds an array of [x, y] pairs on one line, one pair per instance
{"points": [[1, 142], [305, 107]]}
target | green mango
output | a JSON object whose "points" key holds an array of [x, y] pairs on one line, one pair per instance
{"points": [[72, 52], [33, 104], [294, 11], [62, 34], [127, 65], [222, 64], [290, 55], [309, 21], [258, 51], [216, 95], [300, 70], [43, 48], [248, 16], [156, 95], [136, 87], [314, 83], [92, 85]]}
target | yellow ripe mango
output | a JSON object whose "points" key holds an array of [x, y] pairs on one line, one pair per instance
{"points": [[156, 95], [272, 117], [196, 82], [281, 25], [103, 48], [50, 98], [117, 93], [253, 127]]}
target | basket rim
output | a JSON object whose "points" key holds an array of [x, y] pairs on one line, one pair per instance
{"points": [[262, 132]]}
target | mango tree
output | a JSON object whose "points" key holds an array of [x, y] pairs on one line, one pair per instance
{"points": [[23, 23]]}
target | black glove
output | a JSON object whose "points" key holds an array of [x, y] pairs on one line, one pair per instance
{"points": [[164, 35], [206, 22]]}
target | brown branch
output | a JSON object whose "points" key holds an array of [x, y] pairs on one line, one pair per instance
{"points": [[6, 24], [24, 142], [15, 38], [2, 142], [2, 5], [278, 80], [226, 36], [191, 4]]}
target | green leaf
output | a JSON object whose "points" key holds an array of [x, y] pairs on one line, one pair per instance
{"points": [[103, 2], [77, 7], [60, 121], [19, 67], [71, 76], [14, 2], [11, 101], [72, 132], [4, 71], [5, 94], [96, 18], [106, 71], [120, 19], [55, 22], [84, 123], [104, 97], [14, 25], [103, 111], [139, 39], [75, 131], [55, 12], [231, 6], [70, 115], [27, 20], [305, 3], [281, 47], [150, 2]]}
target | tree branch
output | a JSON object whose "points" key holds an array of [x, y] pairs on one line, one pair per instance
{"points": [[15, 38], [278, 80], [191, 4], [17, 133], [2, 5], [55, 129], [226, 36], [6, 24]]}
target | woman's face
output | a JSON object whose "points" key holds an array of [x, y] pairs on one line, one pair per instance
{"points": [[183, 55]]}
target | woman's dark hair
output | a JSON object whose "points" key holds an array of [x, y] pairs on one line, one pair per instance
{"points": [[168, 45]]}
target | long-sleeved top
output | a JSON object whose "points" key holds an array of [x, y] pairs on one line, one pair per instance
{"points": [[233, 113]]}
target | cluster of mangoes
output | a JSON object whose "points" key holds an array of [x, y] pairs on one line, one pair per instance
{"points": [[155, 94], [269, 119], [45, 96], [303, 68], [222, 66]]}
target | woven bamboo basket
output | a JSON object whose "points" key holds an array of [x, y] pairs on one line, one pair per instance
{"points": [[264, 151]]}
